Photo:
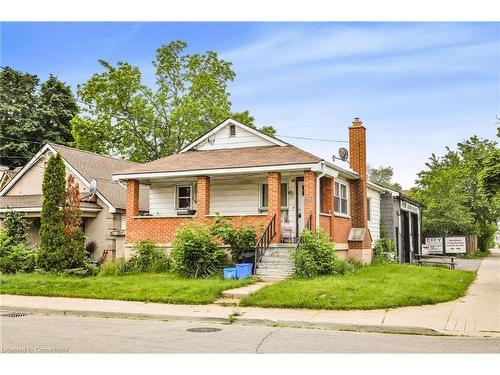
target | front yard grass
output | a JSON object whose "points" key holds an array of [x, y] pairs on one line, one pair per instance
{"points": [[148, 287], [371, 287]]}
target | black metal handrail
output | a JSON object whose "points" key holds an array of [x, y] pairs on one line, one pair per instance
{"points": [[264, 241]]}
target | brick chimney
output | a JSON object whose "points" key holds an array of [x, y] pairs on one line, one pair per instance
{"points": [[357, 152]]}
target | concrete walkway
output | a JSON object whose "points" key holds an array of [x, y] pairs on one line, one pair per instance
{"points": [[476, 314]]}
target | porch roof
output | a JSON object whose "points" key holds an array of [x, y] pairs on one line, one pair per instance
{"points": [[248, 157], [34, 202]]}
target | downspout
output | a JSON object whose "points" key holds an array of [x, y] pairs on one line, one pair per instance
{"points": [[318, 197]]}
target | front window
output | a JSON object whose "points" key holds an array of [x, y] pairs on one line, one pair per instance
{"points": [[264, 195], [184, 197], [341, 198]]}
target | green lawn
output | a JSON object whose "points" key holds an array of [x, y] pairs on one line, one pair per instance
{"points": [[165, 288], [372, 287]]}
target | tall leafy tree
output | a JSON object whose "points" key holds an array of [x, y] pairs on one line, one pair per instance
{"points": [[383, 176], [123, 115], [74, 249], [32, 114], [52, 239], [458, 191]]}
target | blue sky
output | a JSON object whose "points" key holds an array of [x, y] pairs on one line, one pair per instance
{"points": [[418, 87]]}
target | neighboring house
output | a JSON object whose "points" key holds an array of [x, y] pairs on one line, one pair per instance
{"points": [[7, 174], [102, 207], [402, 217], [238, 172]]}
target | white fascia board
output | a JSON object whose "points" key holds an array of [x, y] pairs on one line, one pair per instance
{"points": [[39, 209], [221, 171], [237, 123], [19, 174], [328, 170], [376, 187], [342, 171]]}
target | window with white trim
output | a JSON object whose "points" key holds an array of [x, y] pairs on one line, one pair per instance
{"points": [[232, 130], [264, 195], [341, 198], [183, 197]]}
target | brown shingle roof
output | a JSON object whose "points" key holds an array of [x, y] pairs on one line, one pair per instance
{"points": [[101, 168], [23, 201], [227, 158]]}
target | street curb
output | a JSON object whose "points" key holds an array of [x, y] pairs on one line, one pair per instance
{"points": [[237, 320]]}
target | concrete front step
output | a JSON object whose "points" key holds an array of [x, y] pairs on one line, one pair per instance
{"points": [[280, 267], [273, 272]]}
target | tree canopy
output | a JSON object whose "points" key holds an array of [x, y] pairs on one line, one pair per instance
{"points": [[32, 114], [461, 190], [383, 176], [122, 115]]}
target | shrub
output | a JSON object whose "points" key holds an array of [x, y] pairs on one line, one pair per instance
{"points": [[147, 258], [315, 255], [195, 253], [16, 258], [112, 268], [88, 269], [239, 240], [383, 251], [16, 226]]}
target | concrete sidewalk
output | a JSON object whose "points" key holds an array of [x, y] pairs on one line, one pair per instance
{"points": [[476, 314]]}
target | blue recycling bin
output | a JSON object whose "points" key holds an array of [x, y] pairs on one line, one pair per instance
{"points": [[229, 273], [243, 270]]}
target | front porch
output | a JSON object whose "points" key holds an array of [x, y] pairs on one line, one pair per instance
{"points": [[295, 197]]}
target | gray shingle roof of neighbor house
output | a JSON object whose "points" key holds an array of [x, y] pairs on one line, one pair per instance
{"points": [[24, 201], [98, 167], [225, 158]]}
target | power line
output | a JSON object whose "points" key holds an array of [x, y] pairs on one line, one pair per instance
{"points": [[312, 139], [20, 139]]}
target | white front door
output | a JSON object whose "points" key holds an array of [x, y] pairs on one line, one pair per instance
{"points": [[300, 207]]}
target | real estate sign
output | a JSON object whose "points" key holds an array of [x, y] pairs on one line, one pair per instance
{"points": [[435, 245], [455, 245]]}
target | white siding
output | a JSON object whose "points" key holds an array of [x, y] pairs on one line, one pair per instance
{"points": [[243, 138], [161, 199], [374, 223], [234, 197]]}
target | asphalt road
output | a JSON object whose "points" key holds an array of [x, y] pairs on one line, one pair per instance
{"points": [[71, 334]]}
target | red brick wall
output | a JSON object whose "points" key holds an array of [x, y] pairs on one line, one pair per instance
{"points": [[310, 197], [274, 201], [341, 229], [202, 196], [162, 229], [327, 195], [324, 223]]}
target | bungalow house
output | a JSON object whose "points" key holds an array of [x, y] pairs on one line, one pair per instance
{"points": [[243, 174], [102, 203], [402, 218]]}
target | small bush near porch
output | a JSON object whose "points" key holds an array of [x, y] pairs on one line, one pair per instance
{"points": [[148, 287], [372, 287]]}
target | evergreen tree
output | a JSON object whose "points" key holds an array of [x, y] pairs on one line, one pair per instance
{"points": [[52, 239]]}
